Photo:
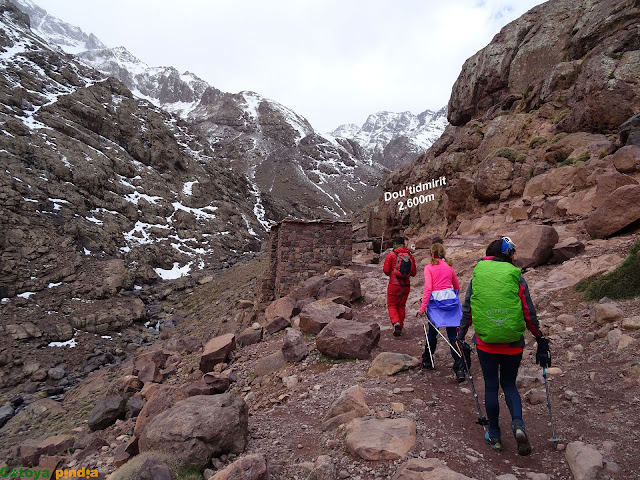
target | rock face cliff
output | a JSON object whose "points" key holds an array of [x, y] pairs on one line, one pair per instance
{"points": [[544, 128], [100, 192]]}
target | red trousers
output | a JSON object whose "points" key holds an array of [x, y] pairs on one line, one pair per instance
{"points": [[396, 302]]}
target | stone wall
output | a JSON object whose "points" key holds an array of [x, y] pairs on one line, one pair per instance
{"points": [[299, 249]]}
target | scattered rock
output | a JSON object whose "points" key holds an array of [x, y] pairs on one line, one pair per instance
{"points": [[323, 469], [584, 460], [534, 244], [428, 469], [389, 363], [347, 286], [6, 412], [632, 323], [218, 382], [607, 313], [249, 336], [249, 467], [566, 249], [217, 350], [270, 363], [198, 428], [380, 439], [276, 324], [285, 307], [316, 315], [294, 348], [620, 209], [153, 469], [348, 406], [106, 411], [348, 339]]}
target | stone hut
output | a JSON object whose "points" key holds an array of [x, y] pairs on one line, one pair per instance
{"points": [[299, 249]]}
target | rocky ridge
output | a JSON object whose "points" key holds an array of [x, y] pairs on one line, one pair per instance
{"points": [[394, 139], [537, 134]]}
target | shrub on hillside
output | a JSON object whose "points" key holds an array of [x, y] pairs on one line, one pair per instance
{"points": [[623, 282]]}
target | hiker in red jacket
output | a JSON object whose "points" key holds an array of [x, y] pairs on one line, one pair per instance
{"points": [[399, 266]]}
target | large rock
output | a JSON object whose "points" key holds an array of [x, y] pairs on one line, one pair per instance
{"points": [[199, 428], [348, 339], [607, 313], [147, 367], [626, 159], [609, 182], [6, 412], [249, 467], [316, 315], [427, 469], [162, 399], [294, 348], [584, 461], [389, 363], [380, 439], [349, 405], [534, 245], [617, 211], [310, 287], [347, 286], [283, 307], [554, 182], [270, 363], [494, 176], [323, 469], [217, 350], [566, 249], [106, 411], [276, 324], [249, 336]]}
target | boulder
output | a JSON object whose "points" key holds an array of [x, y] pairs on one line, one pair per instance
{"points": [[534, 245], [294, 348], [585, 461], [106, 411], [550, 183], [427, 469], [348, 406], [632, 323], [380, 439], [249, 467], [199, 428], [6, 412], [617, 211], [270, 363], [389, 363], [347, 286], [154, 469], [566, 249], [316, 315], [163, 398], [147, 367], [626, 159], [217, 350], [323, 469], [283, 307], [218, 382], [348, 339], [609, 182], [607, 313], [310, 287], [249, 336], [276, 324], [493, 177]]}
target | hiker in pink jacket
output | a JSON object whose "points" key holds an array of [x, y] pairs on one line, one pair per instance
{"points": [[441, 303]]}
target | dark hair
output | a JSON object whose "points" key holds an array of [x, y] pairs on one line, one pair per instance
{"points": [[398, 241], [495, 250]]}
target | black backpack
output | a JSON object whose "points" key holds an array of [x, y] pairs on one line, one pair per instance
{"points": [[403, 264]]}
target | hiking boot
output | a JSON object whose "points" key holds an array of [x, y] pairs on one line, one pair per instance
{"points": [[460, 376], [397, 330], [524, 447], [426, 364], [494, 443]]}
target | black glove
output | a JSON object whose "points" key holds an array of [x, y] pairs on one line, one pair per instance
{"points": [[543, 355], [466, 352]]}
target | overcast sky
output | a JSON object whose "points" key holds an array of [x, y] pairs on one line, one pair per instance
{"points": [[332, 61]]}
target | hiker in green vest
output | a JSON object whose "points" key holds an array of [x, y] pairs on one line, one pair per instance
{"points": [[499, 305]]}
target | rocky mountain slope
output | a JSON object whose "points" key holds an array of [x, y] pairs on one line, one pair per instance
{"points": [[394, 139], [537, 133], [292, 170], [101, 192]]}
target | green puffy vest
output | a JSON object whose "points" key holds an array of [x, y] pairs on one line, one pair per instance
{"points": [[496, 308]]}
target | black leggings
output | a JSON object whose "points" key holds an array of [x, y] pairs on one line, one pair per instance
{"points": [[501, 369]]}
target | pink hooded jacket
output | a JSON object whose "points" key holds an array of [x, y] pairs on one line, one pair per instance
{"points": [[437, 277]]}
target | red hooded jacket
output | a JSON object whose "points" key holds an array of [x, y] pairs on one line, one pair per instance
{"points": [[389, 267]]}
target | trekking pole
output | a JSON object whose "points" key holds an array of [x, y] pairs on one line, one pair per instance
{"points": [[482, 420], [442, 335], [553, 438], [426, 340]]}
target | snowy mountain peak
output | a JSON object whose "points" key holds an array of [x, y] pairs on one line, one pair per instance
{"points": [[56, 32], [393, 139]]}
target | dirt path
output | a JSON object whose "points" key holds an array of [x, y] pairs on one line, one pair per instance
{"points": [[590, 400]]}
